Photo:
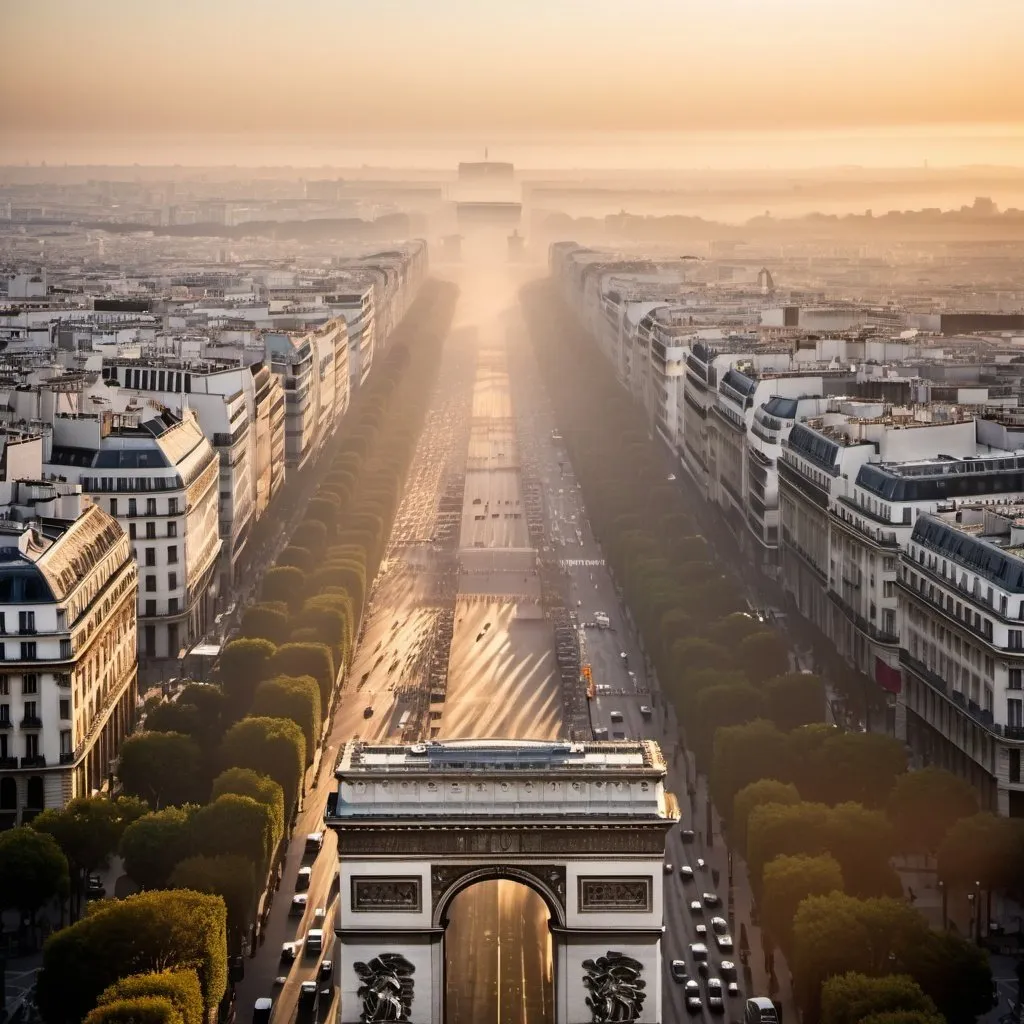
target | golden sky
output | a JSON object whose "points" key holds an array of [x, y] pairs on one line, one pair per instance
{"points": [[426, 66]]}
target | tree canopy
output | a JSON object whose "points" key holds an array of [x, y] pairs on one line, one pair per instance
{"points": [[162, 768], [33, 870], [179, 987], [269, 746]]}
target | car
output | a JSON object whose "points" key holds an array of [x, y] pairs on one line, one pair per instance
{"points": [[691, 992], [314, 940], [686, 872], [711, 899], [668, 867], [308, 993], [701, 930], [687, 835], [314, 842], [280, 981], [678, 970], [325, 972], [319, 914], [368, 711], [716, 1003], [701, 863], [288, 952], [732, 990], [720, 925], [302, 879], [671, 478], [696, 907], [623, 655], [698, 951], [727, 969], [645, 709], [298, 907], [94, 888], [615, 716], [724, 943], [262, 1009]]}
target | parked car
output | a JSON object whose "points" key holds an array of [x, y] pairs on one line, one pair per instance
{"points": [[303, 878], [314, 842], [298, 907], [314, 940], [288, 952], [261, 1010], [307, 1003]]}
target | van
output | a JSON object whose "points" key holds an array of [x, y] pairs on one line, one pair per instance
{"points": [[760, 1010]]}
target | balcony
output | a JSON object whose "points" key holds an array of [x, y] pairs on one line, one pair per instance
{"points": [[867, 628], [31, 722], [6, 723], [35, 761], [68, 758]]}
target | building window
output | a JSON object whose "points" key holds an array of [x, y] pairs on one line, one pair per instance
{"points": [[30, 683], [133, 507], [65, 743], [172, 640], [1015, 639], [172, 506], [131, 531], [172, 529], [1015, 712], [172, 554], [151, 506], [113, 507], [150, 554], [31, 710], [1014, 774], [1014, 683], [151, 584], [32, 745], [65, 650], [5, 714], [150, 634], [5, 686], [172, 580], [172, 605], [65, 709], [3, 622], [26, 622], [151, 608], [150, 531], [28, 650]]}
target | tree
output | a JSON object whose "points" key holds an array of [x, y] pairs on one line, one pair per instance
{"points": [[787, 882], [243, 666], [855, 766], [179, 987], [267, 621], [294, 697], [764, 791], [301, 558], [307, 659], [762, 655], [33, 871], [924, 805], [981, 848], [152, 845], [720, 706], [330, 614], [903, 1017], [861, 840], [794, 699], [263, 788], [137, 1010], [775, 830], [954, 972], [284, 583], [849, 998], [270, 746], [88, 830], [151, 931], [197, 711], [230, 876], [692, 654], [162, 768], [732, 629], [235, 824], [744, 754]]}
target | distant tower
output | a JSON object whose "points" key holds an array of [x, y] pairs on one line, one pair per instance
{"points": [[765, 282]]}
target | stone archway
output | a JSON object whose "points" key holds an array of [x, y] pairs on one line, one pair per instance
{"points": [[582, 825]]}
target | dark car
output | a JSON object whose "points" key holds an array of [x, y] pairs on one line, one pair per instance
{"points": [[696, 907], [692, 995], [716, 1000], [711, 899], [678, 970], [686, 873], [368, 711], [94, 888], [325, 972], [687, 835], [288, 952], [308, 997]]}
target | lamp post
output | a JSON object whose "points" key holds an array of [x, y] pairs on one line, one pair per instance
{"points": [[970, 923], [945, 914], [977, 907]]}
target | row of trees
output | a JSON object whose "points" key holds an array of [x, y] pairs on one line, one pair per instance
{"points": [[213, 783], [817, 812]]}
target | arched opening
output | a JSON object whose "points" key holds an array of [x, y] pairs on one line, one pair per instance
{"points": [[34, 799], [8, 794], [498, 963]]}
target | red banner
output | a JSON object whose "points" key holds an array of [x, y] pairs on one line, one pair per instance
{"points": [[887, 677]]}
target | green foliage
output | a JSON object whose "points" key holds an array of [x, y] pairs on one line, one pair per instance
{"points": [[903, 1017], [794, 699], [307, 659], [982, 848], [764, 791], [301, 558], [924, 805], [719, 706], [744, 754], [179, 987], [954, 972], [269, 746], [858, 766], [775, 830], [294, 697], [315, 533], [33, 870], [266, 622], [732, 629], [235, 824], [693, 654], [230, 876], [136, 1010], [330, 614], [152, 931], [263, 788], [284, 583], [154, 843], [243, 666], [849, 998], [162, 768], [198, 712], [787, 882], [762, 655]]}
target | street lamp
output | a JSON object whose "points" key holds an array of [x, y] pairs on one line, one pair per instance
{"points": [[945, 915], [970, 923], [977, 905]]}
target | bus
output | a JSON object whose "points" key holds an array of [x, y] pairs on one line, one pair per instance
{"points": [[761, 1010], [404, 720]]}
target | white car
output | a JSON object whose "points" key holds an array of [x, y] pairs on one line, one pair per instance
{"points": [[711, 899], [698, 951], [720, 925]]}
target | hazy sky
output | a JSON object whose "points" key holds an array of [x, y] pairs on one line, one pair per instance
{"points": [[332, 67]]}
